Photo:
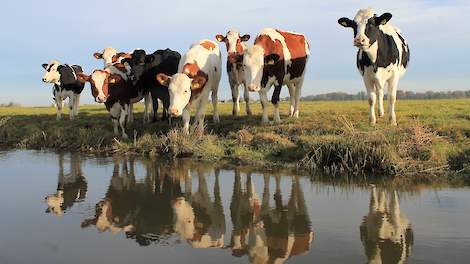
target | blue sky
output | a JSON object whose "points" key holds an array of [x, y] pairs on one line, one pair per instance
{"points": [[35, 32]]}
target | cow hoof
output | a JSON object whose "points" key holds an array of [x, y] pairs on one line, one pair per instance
{"points": [[125, 137], [216, 119], [264, 121], [296, 114], [393, 122]]}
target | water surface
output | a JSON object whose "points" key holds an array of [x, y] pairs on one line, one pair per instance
{"points": [[69, 208]]}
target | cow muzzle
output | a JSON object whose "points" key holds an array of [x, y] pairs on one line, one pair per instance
{"points": [[232, 57], [174, 112], [253, 88], [100, 99], [361, 42]]}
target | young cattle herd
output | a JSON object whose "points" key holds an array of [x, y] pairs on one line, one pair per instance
{"points": [[180, 83]]}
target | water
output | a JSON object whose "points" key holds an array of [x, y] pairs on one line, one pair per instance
{"points": [[68, 208]]}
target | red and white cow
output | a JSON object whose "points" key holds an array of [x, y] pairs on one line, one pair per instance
{"points": [[277, 58], [235, 49], [198, 75], [113, 60], [113, 89]]}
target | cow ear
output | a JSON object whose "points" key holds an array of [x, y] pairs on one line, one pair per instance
{"points": [[346, 22], [44, 65], [220, 38], [245, 37], [198, 82], [383, 19], [98, 55], [163, 79], [271, 59], [83, 78]]}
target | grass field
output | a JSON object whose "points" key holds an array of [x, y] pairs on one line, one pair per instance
{"points": [[432, 138]]}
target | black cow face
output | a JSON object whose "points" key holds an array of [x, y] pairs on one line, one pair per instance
{"points": [[137, 64], [365, 26]]}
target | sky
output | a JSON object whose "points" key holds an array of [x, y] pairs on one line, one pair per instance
{"points": [[35, 32]]}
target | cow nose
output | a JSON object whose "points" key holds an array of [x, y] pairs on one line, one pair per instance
{"points": [[174, 112], [253, 88], [232, 57], [44, 79]]}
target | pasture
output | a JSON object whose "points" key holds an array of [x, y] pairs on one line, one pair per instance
{"points": [[431, 141]]}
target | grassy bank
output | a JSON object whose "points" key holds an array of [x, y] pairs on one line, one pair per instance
{"points": [[431, 141]]}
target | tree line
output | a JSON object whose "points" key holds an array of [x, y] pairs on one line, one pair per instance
{"points": [[406, 95]]}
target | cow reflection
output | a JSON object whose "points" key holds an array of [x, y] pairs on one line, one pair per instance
{"points": [[385, 232], [140, 209], [265, 234], [200, 219], [71, 187]]}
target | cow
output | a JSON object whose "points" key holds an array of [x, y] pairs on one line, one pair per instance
{"points": [[386, 233], [116, 92], [144, 69], [71, 187], [66, 85], [276, 58], [115, 60], [235, 49], [198, 75], [382, 58]]}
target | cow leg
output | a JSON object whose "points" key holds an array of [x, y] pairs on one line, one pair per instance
{"points": [[215, 101], [155, 109], [392, 98], [246, 96], [275, 101], [71, 104], [380, 100], [130, 113], [186, 118], [199, 117], [264, 104], [297, 94], [76, 103], [115, 113], [235, 98], [371, 98], [122, 120], [147, 100], [58, 101], [291, 87]]}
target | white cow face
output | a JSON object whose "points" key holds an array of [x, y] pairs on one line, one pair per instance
{"points": [[52, 74], [234, 43], [54, 203], [179, 88], [366, 27], [107, 55], [184, 219], [253, 63]]}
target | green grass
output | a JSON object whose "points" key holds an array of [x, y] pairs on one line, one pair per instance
{"points": [[432, 138]]}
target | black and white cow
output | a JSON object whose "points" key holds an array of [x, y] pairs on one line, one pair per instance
{"points": [[145, 68], [235, 50], [66, 85], [382, 58]]}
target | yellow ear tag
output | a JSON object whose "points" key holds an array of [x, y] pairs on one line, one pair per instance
{"points": [[112, 81], [196, 86], [271, 62]]}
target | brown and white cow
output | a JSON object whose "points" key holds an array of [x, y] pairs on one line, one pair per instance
{"points": [[114, 60], [276, 58], [198, 75], [235, 49], [117, 94]]}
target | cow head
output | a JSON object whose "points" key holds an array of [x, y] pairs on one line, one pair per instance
{"points": [[100, 80], [255, 63], [179, 87], [52, 74], [55, 203], [136, 62], [234, 43], [184, 218], [366, 27], [106, 55]]}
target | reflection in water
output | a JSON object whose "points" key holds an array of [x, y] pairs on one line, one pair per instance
{"points": [[71, 187], [385, 232], [171, 205], [265, 234]]}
